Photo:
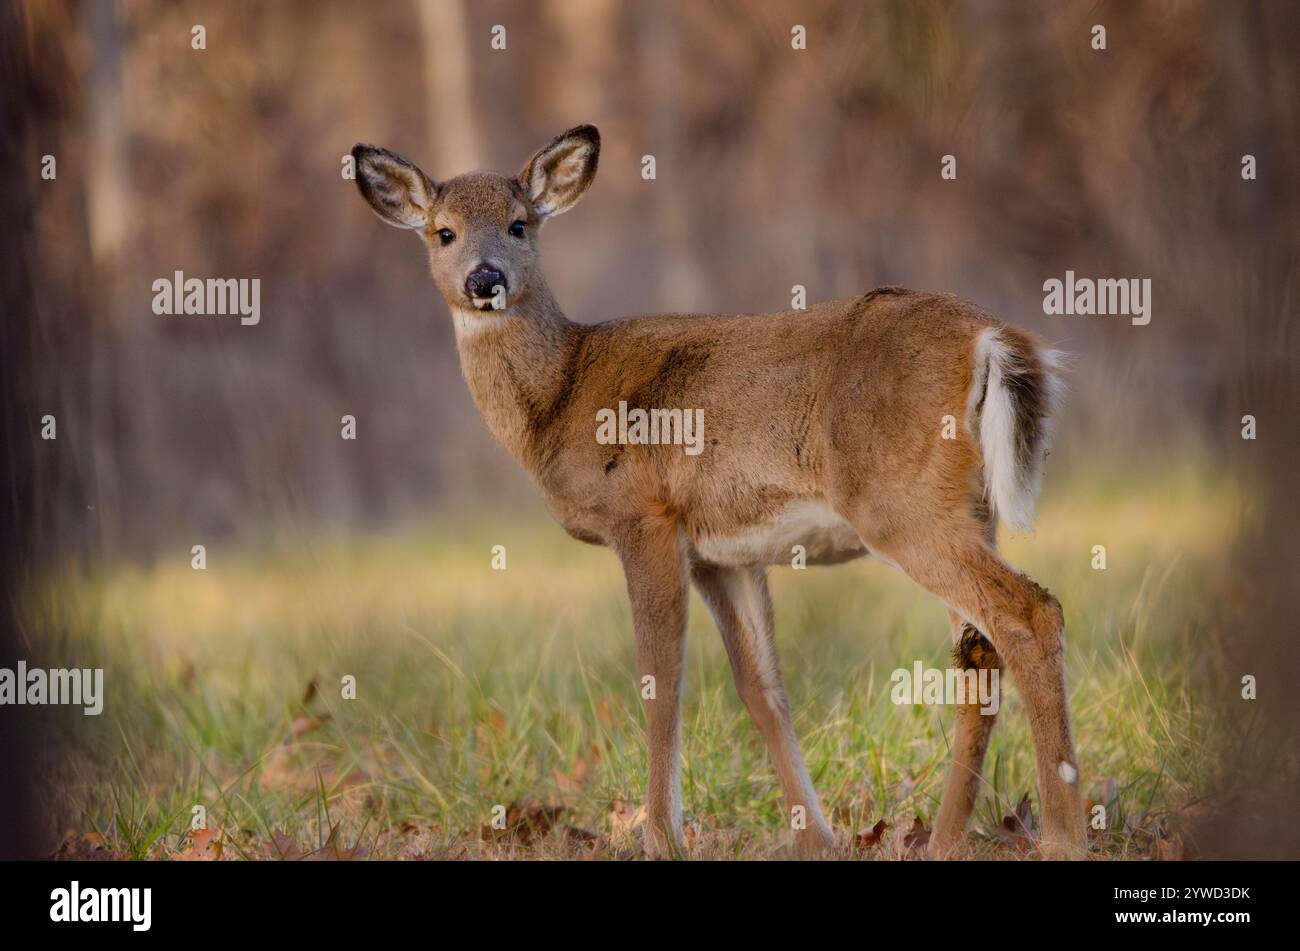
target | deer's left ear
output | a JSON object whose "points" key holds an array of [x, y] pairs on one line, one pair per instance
{"points": [[555, 178]]}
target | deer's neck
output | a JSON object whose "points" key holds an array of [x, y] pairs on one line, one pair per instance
{"points": [[515, 362]]}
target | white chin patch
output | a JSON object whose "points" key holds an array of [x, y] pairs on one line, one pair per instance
{"points": [[1067, 773], [482, 303]]}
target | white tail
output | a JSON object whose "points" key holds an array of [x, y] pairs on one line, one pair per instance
{"points": [[1013, 395]]}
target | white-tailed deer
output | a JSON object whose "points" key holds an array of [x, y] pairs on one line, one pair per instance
{"points": [[824, 429]]}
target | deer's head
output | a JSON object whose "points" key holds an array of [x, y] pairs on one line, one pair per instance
{"points": [[481, 229]]}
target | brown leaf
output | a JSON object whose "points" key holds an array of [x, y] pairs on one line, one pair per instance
{"points": [[524, 824], [84, 846], [333, 851], [205, 846], [1024, 817], [919, 837], [309, 694], [1017, 831], [871, 838], [285, 846]]}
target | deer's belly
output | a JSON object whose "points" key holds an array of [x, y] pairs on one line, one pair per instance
{"points": [[825, 537]]}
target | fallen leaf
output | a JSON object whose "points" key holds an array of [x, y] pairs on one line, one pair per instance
{"points": [[1017, 831], [524, 824], [205, 846], [286, 847], [85, 846], [871, 838], [332, 851], [919, 837]]}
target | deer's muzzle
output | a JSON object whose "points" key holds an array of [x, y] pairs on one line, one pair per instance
{"points": [[483, 281]]}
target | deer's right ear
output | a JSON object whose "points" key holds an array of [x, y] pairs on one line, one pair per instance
{"points": [[397, 190]]}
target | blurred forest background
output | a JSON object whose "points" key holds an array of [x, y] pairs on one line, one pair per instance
{"points": [[775, 167]]}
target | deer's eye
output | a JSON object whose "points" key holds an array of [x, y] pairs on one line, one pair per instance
{"points": [[517, 229], [445, 236]]}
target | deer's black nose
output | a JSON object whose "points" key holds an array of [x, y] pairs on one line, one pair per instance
{"points": [[482, 280]]}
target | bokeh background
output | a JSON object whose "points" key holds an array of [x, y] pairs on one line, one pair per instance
{"points": [[775, 167]]}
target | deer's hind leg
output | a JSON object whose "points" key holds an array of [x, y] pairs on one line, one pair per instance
{"points": [[742, 608], [974, 725], [1026, 626]]}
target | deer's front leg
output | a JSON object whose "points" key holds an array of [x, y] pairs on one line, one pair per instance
{"points": [[656, 585], [741, 606]]}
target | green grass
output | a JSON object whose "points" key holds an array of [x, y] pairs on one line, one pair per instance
{"points": [[478, 687]]}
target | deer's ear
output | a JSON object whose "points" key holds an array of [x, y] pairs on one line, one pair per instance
{"points": [[555, 178], [397, 190]]}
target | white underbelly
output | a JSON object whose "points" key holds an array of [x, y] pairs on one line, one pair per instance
{"points": [[814, 525]]}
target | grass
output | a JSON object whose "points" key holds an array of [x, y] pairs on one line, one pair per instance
{"points": [[478, 688]]}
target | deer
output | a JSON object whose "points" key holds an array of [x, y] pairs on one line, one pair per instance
{"points": [[823, 430]]}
